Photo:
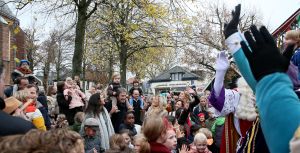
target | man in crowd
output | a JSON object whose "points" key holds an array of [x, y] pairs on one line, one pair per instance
{"points": [[137, 105], [19, 84], [10, 125], [118, 112]]}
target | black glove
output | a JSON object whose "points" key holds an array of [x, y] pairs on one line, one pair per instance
{"points": [[289, 51], [232, 26], [265, 57]]}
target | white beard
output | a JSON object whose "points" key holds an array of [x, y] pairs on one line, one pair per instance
{"points": [[246, 108]]}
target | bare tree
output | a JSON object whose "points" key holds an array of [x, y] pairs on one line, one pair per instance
{"points": [[207, 33]]}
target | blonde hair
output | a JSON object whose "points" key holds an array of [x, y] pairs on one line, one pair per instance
{"points": [[200, 137], [157, 110], [144, 144], [79, 117], [37, 141], [206, 132], [117, 144], [114, 76], [205, 98], [61, 117], [21, 95], [293, 34], [154, 126]]}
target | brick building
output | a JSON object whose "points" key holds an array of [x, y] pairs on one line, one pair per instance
{"points": [[12, 41]]}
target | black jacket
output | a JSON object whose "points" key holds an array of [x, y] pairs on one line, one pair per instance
{"points": [[130, 128], [10, 125], [118, 117], [63, 103], [185, 113], [113, 87]]}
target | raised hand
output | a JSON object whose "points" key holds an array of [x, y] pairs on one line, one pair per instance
{"points": [[222, 63], [232, 26], [265, 57]]}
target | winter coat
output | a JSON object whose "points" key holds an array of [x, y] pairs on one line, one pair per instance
{"points": [[11, 125], [118, 117], [158, 148], [92, 142], [113, 87], [130, 128]]}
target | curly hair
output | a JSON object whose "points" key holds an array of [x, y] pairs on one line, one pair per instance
{"points": [[37, 141]]}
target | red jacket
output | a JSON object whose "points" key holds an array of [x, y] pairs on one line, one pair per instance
{"points": [[158, 148]]}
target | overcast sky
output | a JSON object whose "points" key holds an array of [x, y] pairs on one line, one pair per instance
{"points": [[273, 12]]}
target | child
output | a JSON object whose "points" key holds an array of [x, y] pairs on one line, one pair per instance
{"points": [[193, 131], [129, 123], [202, 120], [30, 108], [208, 135], [171, 141], [127, 135], [136, 85], [75, 93], [78, 119], [91, 136], [112, 90], [61, 121], [141, 145], [292, 41], [200, 142], [117, 144]]}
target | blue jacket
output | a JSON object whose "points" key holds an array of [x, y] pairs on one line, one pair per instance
{"points": [[279, 111], [278, 105]]}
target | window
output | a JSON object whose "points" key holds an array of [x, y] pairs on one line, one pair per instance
{"points": [[180, 76], [176, 76]]}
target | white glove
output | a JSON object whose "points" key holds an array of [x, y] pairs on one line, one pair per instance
{"points": [[222, 65]]}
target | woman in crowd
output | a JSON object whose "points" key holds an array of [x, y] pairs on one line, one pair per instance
{"points": [[97, 110], [155, 131], [63, 103], [157, 107], [51, 101]]}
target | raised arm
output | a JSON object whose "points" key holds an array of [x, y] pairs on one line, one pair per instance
{"points": [[223, 100], [278, 105], [233, 39]]}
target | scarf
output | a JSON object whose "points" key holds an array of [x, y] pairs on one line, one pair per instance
{"points": [[105, 127]]}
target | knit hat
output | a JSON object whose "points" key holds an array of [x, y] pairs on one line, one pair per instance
{"points": [[23, 61], [11, 104], [201, 115], [91, 122]]}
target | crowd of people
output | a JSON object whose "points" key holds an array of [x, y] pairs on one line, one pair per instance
{"points": [[248, 118]]}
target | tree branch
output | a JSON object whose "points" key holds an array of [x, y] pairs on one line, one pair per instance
{"points": [[145, 47], [76, 3], [92, 11]]}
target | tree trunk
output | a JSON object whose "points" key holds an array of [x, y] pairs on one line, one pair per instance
{"points": [[110, 66], [79, 42], [46, 75], [83, 76], [30, 59], [123, 62]]}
